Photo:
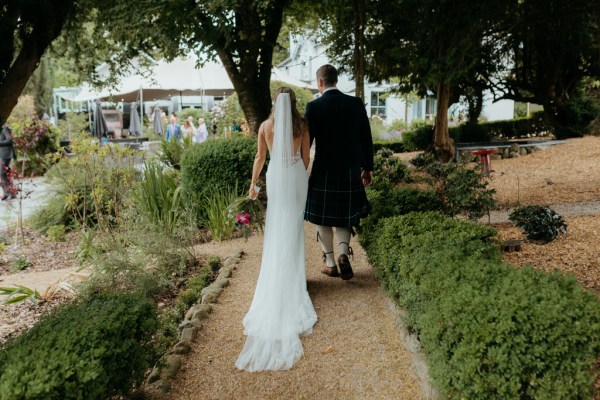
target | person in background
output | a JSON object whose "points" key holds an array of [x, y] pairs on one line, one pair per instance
{"points": [[7, 153], [191, 121], [202, 131], [173, 129], [187, 129]]}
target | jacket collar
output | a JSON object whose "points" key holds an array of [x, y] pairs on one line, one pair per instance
{"points": [[331, 91]]}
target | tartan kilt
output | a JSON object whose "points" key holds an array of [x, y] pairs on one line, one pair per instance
{"points": [[336, 198]]}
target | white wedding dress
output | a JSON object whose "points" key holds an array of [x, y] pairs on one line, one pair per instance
{"points": [[281, 309]]}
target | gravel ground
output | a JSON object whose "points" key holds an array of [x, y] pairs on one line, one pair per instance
{"points": [[576, 253], [355, 351], [564, 173]]}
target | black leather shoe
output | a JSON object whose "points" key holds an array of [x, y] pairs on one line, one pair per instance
{"points": [[331, 272], [4, 197], [345, 268]]}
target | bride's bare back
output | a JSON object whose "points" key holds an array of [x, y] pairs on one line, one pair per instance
{"points": [[265, 142]]}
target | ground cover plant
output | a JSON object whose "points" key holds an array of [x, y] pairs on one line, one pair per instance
{"points": [[90, 349]]}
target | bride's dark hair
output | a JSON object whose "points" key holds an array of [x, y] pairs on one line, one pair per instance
{"points": [[297, 120]]}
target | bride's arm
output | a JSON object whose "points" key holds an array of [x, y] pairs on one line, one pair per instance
{"points": [[259, 160], [305, 146]]}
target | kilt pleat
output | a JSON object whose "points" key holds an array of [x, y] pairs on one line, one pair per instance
{"points": [[336, 198]]}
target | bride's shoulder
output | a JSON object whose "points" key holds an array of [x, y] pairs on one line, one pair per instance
{"points": [[266, 126]]}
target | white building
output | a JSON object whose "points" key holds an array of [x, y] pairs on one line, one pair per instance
{"points": [[307, 55]]}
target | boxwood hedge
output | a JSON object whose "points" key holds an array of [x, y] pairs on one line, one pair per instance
{"points": [[217, 164], [489, 330], [88, 350]]}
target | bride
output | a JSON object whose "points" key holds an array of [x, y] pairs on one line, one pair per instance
{"points": [[281, 310]]}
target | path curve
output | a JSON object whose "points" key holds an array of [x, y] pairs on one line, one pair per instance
{"points": [[368, 360]]}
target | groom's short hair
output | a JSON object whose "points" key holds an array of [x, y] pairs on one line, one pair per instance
{"points": [[328, 74]]}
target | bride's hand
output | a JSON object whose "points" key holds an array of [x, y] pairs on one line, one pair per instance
{"points": [[253, 194]]}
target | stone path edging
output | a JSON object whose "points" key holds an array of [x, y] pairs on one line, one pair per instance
{"points": [[168, 366], [412, 344]]}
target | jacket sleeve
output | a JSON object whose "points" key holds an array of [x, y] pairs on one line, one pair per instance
{"points": [[308, 113], [366, 140], [5, 140]]}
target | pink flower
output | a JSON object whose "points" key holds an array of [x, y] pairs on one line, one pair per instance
{"points": [[243, 218]]}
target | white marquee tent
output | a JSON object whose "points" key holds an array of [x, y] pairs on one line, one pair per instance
{"points": [[179, 77]]}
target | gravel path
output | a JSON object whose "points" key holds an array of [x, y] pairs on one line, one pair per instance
{"points": [[355, 351]]}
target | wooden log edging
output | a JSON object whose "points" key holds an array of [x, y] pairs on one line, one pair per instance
{"points": [[168, 366]]}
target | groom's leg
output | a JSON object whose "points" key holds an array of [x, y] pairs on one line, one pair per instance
{"points": [[343, 237], [326, 239]]}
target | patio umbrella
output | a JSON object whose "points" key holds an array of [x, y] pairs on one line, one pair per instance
{"points": [[157, 123], [135, 126], [100, 127]]}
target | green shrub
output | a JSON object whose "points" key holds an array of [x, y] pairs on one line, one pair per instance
{"points": [[389, 170], [19, 262], [489, 330], [158, 198], [56, 233], [195, 113], [90, 189], [418, 139], [575, 119], [50, 214], [539, 222], [89, 350], [378, 127], [192, 293], [73, 123], [217, 164], [462, 190]]}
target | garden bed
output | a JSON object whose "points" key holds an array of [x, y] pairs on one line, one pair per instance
{"points": [[576, 253]]}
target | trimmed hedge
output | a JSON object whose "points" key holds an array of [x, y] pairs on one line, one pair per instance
{"points": [[217, 164], [393, 145], [88, 350], [393, 202], [422, 138], [489, 330]]}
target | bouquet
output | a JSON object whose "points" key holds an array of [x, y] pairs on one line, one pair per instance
{"points": [[248, 214]]}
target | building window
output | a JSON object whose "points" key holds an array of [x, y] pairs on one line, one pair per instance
{"points": [[378, 104], [430, 105]]}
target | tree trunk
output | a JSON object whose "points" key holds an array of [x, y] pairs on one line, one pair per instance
{"points": [[442, 143], [250, 72], [359, 47]]}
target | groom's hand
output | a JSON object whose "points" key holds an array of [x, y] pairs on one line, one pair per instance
{"points": [[367, 177]]}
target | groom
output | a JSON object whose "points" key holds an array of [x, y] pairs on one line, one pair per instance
{"points": [[342, 166]]}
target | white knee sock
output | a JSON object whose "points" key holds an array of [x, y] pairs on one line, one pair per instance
{"points": [[343, 237], [326, 239]]}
